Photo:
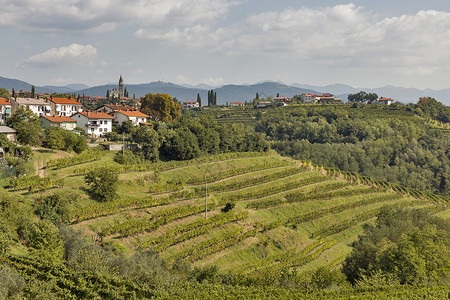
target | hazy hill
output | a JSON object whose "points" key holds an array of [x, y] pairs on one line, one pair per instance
{"points": [[233, 92]]}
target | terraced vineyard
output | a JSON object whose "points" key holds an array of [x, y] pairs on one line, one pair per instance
{"points": [[264, 212]]}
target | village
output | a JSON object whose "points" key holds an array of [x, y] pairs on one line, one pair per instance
{"points": [[97, 115]]}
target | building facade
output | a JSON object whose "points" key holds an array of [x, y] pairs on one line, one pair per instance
{"points": [[95, 124]]}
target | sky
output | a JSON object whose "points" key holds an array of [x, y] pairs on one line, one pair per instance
{"points": [[217, 42]]}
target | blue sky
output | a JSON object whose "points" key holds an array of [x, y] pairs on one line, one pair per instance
{"points": [[320, 42]]}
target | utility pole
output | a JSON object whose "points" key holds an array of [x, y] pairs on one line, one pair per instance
{"points": [[206, 199], [123, 144]]}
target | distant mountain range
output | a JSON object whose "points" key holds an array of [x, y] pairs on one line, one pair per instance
{"points": [[233, 92]]}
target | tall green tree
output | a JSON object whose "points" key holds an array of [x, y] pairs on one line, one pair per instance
{"points": [[33, 91], [160, 107], [199, 100], [27, 125]]}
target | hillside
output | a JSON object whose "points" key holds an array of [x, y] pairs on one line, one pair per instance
{"points": [[287, 212]]}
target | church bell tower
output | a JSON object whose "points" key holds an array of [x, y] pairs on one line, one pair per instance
{"points": [[121, 87]]}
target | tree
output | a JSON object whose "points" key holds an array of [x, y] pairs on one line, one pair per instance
{"points": [[102, 184], [182, 145], [33, 92], [362, 97], [4, 93], [199, 100], [149, 141], [409, 245], [160, 107]]}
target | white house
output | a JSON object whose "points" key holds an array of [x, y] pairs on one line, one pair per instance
{"points": [[387, 101], [5, 110], [95, 124], [237, 104], [37, 106], [190, 104], [58, 121], [263, 104], [65, 107], [135, 117]]}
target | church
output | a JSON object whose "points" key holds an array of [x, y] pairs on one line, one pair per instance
{"points": [[119, 94]]}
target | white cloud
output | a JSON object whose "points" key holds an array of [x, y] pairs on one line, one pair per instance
{"points": [[107, 15], [73, 54]]}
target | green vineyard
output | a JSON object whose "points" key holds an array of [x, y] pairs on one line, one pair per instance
{"points": [[284, 213]]}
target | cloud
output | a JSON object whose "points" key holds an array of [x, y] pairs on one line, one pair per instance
{"points": [[107, 15], [73, 54]]}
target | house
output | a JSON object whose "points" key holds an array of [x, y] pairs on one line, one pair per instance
{"points": [[110, 108], [58, 121], [9, 133], [284, 100], [94, 123], [324, 98], [38, 106], [5, 110], [65, 107], [237, 104], [263, 104], [135, 117], [190, 104], [386, 101]]}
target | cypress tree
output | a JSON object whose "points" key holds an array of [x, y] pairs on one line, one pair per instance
{"points": [[199, 100], [33, 94], [215, 98]]}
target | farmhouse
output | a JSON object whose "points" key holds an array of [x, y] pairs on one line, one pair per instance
{"points": [[386, 101], [9, 133], [190, 104], [263, 104], [95, 124], [37, 106], [65, 107], [237, 104], [5, 110], [58, 121], [324, 98], [284, 100], [135, 117]]}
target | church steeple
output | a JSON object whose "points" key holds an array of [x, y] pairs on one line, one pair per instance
{"points": [[121, 86]]}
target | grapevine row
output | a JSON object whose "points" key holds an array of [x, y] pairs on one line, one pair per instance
{"points": [[228, 186], [173, 164], [169, 238], [276, 188], [87, 156], [157, 220]]}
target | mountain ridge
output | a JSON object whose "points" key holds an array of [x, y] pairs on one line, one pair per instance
{"points": [[234, 92]]}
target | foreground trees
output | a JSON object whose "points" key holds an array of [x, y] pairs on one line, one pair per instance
{"points": [[408, 246]]}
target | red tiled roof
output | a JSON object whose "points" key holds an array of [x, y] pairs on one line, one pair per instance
{"points": [[94, 115], [386, 99], [3, 101], [65, 101], [132, 113], [190, 102], [59, 119]]}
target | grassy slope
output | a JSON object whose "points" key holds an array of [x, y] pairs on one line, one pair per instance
{"points": [[286, 239]]}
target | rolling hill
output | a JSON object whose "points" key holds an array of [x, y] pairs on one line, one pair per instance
{"points": [[281, 212]]}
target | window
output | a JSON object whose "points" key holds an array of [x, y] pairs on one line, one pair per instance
{"points": [[100, 130]]}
